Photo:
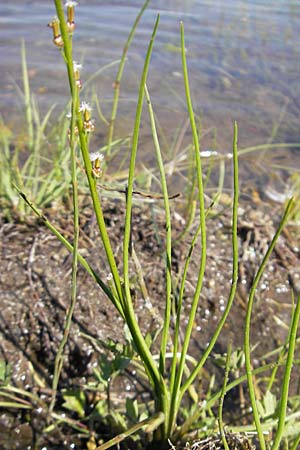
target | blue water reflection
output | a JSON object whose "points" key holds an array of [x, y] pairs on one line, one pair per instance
{"points": [[243, 56]]}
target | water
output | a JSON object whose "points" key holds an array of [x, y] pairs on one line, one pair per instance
{"points": [[243, 58]]}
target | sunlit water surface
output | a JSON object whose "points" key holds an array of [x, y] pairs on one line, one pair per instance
{"points": [[243, 59]]}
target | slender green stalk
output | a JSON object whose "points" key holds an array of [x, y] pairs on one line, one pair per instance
{"points": [[267, 426], [16, 399], [248, 323], [273, 146], [119, 76], [180, 301], [210, 402], [220, 409], [221, 323], [70, 248], [166, 326], [191, 213], [151, 423], [282, 353], [98, 211], [175, 400], [94, 76], [179, 309], [286, 378], [15, 405], [33, 397], [67, 49], [85, 154], [58, 364], [176, 404], [143, 350], [62, 419], [38, 188], [296, 443]]}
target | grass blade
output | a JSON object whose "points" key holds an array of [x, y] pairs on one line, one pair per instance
{"points": [[143, 350], [119, 76], [287, 375], [166, 326], [58, 363], [70, 248], [248, 323]]}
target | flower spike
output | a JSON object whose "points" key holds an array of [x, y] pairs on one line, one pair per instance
{"points": [[77, 67], [57, 39], [70, 5], [88, 123], [96, 160]]}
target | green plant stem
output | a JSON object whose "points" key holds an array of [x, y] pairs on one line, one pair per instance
{"points": [[220, 409], [35, 399], [267, 427], [234, 280], [14, 400], [86, 158], [248, 323], [281, 356], [75, 424], [67, 49], [143, 350], [58, 364], [296, 443], [180, 300], [166, 326], [287, 375], [176, 342], [99, 215], [16, 405], [150, 423], [190, 212], [175, 400], [119, 76], [273, 146], [210, 402], [69, 247]]}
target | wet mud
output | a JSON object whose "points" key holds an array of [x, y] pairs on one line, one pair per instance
{"points": [[35, 293]]}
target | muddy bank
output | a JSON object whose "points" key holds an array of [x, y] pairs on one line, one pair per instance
{"points": [[35, 292]]}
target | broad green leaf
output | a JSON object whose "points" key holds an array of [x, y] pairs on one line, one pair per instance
{"points": [[75, 401]]}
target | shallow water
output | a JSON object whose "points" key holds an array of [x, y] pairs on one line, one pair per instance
{"points": [[243, 57]]}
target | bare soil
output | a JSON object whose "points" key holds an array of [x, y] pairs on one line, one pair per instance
{"points": [[35, 294]]}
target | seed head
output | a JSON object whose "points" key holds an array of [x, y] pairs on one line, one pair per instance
{"points": [[77, 67], [96, 156], [70, 5], [96, 160], [88, 123], [57, 39], [85, 106]]}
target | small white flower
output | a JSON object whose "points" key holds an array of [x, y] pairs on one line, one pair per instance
{"points": [[76, 66], [70, 4], [96, 156], [85, 106]]}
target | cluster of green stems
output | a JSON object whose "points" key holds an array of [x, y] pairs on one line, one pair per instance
{"points": [[168, 391], [169, 386]]}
